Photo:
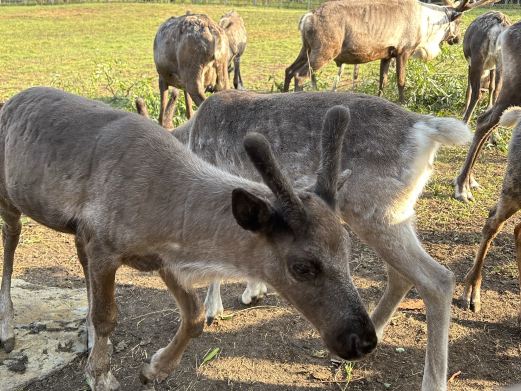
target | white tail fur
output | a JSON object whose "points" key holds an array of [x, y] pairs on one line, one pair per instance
{"points": [[510, 117], [448, 131]]}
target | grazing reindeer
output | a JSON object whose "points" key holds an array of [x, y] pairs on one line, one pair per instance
{"points": [[510, 43], [508, 204], [233, 26], [191, 53], [356, 32], [387, 158], [482, 51], [133, 195]]}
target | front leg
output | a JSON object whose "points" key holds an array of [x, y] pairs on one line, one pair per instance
{"points": [[103, 313], [401, 64], [166, 359]]}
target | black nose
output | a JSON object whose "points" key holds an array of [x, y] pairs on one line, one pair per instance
{"points": [[353, 345], [361, 346]]}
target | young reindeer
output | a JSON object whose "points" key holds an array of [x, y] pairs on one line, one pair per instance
{"points": [[509, 95], [387, 157], [482, 51], [133, 195], [357, 32], [508, 204], [233, 26], [191, 53]]}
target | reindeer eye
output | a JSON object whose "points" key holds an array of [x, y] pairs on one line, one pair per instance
{"points": [[304, 271]]}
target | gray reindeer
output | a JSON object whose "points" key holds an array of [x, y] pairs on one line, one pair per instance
{"points": [[482, 50], [508, 204], [509, 95], [133, 195], [357, 32], [387, 158]]}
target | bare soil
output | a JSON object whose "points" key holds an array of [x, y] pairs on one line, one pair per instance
{"points": [[270, 347]]}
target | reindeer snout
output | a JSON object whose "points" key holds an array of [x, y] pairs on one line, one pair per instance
{"points": [[353, 344]]}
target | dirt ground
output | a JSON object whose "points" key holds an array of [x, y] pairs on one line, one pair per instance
{"points": [[271, 348]]}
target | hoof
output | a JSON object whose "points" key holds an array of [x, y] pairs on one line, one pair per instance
{"points": [[209, 320], [8, 345], [462, 303], [149, 374], [475, 306], [104, 382]]}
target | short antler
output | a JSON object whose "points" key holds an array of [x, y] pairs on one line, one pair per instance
{"points": [[259, 152], [333, 131]]}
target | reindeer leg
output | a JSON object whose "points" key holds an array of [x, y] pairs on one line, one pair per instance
{"points": [[188, 105], [213, 303], [163, 94], [491, 88], [166, 359], [337, 77], [475, 72], [10, 236], [401, 64], [103, 313], [255, 291], [486, 124], [397, 288], [237, 79], [384, 71], [84, 261], [517, 236], [399, 246], [467, 93], [471, 297], [170, 107], [356, 71]]}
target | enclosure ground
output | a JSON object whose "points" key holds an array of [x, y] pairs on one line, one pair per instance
{"points": [[105, 51]]}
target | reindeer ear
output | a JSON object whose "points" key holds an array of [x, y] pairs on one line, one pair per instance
{"points": [[251, 212]]}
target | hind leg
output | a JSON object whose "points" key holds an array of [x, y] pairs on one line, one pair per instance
{"points": [[213, 303], [471, 297], [10, 235]]}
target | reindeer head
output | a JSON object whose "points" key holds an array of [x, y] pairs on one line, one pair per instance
{"points": [[309, 246], [454, 12]]}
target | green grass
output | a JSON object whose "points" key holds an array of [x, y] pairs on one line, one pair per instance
{"points": [[105, 51]]}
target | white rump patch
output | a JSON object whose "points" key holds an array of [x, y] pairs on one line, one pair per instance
{"points": [[448, 131], [510, 117]]}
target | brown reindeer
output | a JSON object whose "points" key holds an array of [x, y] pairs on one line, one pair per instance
{"points": [[509, 95], [356, 32], [482, 51], [235, 30], [508, 204], [191, 53], [133, 195]]}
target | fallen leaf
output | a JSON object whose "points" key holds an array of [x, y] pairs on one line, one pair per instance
{"points": [[210, 355]]}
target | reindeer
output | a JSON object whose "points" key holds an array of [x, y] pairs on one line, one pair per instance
{"points": [[482, 51], [510, 43], [356, 32], [233, 26], [509, 203], [134, 195], [191, 53], [387, 158]]}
